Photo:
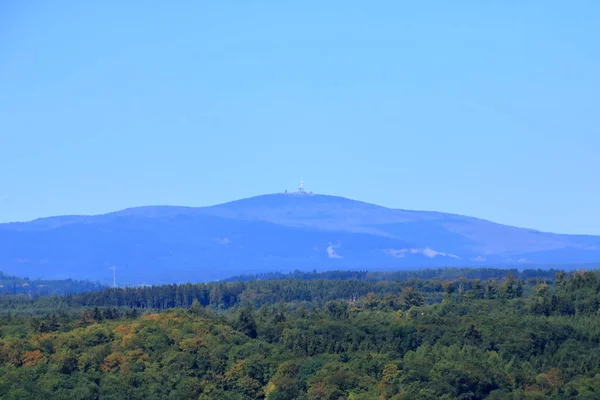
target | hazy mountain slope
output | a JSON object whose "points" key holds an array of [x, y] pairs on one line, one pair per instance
{"points": [[176, 248], [454, 233], [271, 232]]}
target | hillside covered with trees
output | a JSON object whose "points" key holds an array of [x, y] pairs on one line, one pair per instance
{"points": [[514, 337], [13, 285]]}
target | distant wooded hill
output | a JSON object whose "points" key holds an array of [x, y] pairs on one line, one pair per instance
{"points": [[13, 285]]}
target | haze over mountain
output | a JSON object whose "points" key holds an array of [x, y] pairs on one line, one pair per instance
{"points": [[282, 232]]}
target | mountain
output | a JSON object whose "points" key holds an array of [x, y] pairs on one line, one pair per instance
{"points": [[277, 232]]}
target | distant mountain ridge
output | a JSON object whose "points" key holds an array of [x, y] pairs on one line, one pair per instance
{"points": [[276, 232]]}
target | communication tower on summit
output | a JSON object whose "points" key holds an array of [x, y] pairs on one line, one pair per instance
{"points": [[301, 190]]}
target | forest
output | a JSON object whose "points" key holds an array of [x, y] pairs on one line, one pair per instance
{"points": [[12, 285], [446, 335]]}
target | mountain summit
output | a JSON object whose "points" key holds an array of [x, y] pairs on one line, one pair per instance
{"points": [[281, 232]]}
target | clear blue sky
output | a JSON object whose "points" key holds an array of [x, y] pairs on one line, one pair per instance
{"points": [[483, 108]]}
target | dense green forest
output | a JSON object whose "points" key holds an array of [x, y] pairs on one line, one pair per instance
{"points": [[507, 337], [313, 287], [13, 285]]}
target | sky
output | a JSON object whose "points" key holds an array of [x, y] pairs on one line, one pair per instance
{"points": [[487, 109]]}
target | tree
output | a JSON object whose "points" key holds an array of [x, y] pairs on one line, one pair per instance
{"points": [[411, 297], [472, 335], [195, 308], [337, 309], [245, 322]]}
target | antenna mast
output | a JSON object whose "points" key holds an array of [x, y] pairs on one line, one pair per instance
{"points": [[301, 186], [114, 270]]}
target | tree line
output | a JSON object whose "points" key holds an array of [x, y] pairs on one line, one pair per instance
{"points": [[508, 338]]}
